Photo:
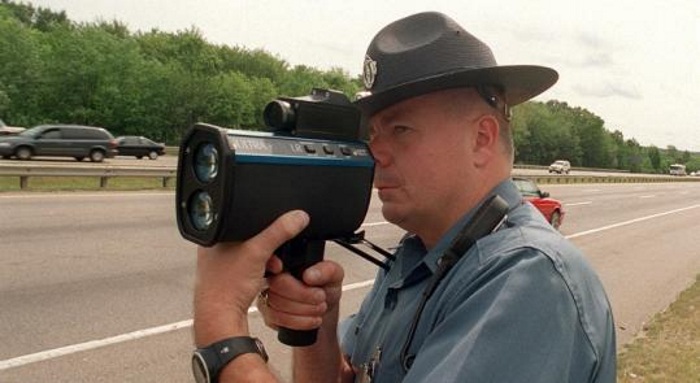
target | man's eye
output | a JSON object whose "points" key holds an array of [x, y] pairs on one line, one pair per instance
{"points": [[400, 129], [389, 131]]}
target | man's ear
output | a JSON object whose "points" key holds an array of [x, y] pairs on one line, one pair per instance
{"points": [[486, 141]]}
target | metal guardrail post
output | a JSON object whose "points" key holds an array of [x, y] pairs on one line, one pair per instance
{"points": [[104, 173]]}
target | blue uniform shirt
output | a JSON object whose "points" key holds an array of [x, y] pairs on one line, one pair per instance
{"points": [[522, 305]]}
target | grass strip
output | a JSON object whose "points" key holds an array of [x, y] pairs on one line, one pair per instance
{"points": [[668, 348], [9, 184]]}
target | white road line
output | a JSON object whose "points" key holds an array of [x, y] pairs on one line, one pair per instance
{"points": [[135, 335], [90, 345], [371, 224], [72, 349], [636, 220], [647, 196], [358, 285], [578, 203]]}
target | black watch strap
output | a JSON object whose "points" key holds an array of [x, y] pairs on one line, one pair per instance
{"points": [[207, 362]]}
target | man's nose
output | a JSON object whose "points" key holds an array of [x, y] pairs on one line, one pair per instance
{"points": [[380, 151]]}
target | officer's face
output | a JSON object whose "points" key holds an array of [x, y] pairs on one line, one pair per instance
{"points": [[423, 150]]}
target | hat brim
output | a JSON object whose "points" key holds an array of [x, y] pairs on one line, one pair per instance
{"points": [[519, 83]]}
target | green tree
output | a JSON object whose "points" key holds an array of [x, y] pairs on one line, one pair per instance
{"points": [[40, 18], [21, 69], [655, 158], [158, 84], [636, 160], [542, 134], [672, 154], [255, 63], [685, 157], [589, 128]]}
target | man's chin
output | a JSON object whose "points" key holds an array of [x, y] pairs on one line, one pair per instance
{"points": [[393, 214]]}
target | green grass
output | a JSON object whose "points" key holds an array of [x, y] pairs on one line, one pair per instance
{"points": [[668, 349], [8, 184]]}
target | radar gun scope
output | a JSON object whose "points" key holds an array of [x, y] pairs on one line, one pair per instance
{"points": [[231, 184]]}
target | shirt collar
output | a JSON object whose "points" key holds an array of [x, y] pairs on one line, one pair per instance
{"points": [[506, 189]]}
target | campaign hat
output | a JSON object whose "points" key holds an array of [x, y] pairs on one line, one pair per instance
{"points": [[428, 52]]}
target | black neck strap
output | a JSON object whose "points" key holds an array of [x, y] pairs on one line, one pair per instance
{"points": [[487, 219]]}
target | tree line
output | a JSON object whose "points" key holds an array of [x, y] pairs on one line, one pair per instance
{"points": [[545, 132], [157, 84]]}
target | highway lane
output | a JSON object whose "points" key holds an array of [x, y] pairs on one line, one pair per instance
{"points": [[82, 267], [85, 266], [648, 249], [594, 205]]}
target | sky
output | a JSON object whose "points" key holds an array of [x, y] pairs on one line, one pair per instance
{"points": [[635, 64]]}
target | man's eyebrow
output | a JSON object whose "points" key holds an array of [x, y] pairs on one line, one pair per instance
{"points": [[390, 115]]}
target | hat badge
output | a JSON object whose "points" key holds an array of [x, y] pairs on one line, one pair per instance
{"points": [[369, 72]]}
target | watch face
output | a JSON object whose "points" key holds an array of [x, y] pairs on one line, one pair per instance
{"points": [[199, 369]]}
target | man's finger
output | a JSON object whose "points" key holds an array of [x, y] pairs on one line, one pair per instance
{"points": [[274, 265], [324, 273], [284, 228]]}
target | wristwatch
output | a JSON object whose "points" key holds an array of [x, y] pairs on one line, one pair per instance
{"points": [[207, 362]]}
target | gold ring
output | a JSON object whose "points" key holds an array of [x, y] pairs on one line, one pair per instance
{"points": [[263, 296]]}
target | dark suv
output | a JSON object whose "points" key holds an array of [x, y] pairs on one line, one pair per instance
{"points": [[75, 141]]}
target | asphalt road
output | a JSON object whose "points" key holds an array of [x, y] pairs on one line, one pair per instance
{"points": [[96, 287]]}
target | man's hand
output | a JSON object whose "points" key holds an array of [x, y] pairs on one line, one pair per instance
{"points": [[230, 276], [302, 305], [305, 305]]}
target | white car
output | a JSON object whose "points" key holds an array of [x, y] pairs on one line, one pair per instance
{"points": [[560, 167], [9, 130]]}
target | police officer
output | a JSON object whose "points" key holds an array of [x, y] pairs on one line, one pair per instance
{"points": [[520, 305]]}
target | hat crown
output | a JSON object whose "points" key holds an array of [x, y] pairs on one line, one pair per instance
{"points": [[429, 52], [422, 46]]}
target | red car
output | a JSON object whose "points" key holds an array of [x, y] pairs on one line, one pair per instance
{"points": [[549, 207]]}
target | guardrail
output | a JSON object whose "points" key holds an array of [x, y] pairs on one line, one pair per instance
{"points": [[104, 173], [622, 178], [167, 174], [573, 169]]}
